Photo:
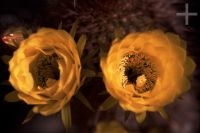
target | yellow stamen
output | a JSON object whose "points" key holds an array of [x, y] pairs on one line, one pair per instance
{"points": [[141, 80]]}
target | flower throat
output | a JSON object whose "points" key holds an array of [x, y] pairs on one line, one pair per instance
{"points": [[140, 71], [45, 67]]}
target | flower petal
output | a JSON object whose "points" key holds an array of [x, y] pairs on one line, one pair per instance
{"points": [[189, 66], [50, 108], [31, 100]]}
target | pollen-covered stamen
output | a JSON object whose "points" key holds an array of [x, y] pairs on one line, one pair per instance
{"points": [[45, 69], [138, 69], [141, 80]]}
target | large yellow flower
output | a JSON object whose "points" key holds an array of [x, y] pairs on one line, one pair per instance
{"points": [[146, 71], [45, 70]]}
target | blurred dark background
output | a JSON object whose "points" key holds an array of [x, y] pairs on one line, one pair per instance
{"points": [[98, 19]]}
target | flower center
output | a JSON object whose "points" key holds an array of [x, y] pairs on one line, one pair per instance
{"points": [[45, 69], [139, 70]]}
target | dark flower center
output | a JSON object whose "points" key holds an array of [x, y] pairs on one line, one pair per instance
{"points": [[45, 67], [132, 74], [137, 65]]}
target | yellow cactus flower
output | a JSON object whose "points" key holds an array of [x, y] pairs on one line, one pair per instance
{"points": [[146, 71], [45, 70]]}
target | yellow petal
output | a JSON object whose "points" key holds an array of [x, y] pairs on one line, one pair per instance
{"points": [[133, 40], [176, 40], [186, 85], [30, 100], [130, 105], [50, 108], [189, 66]]}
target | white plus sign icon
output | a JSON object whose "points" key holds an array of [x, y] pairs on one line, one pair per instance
{"points": [[186, 14]]}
